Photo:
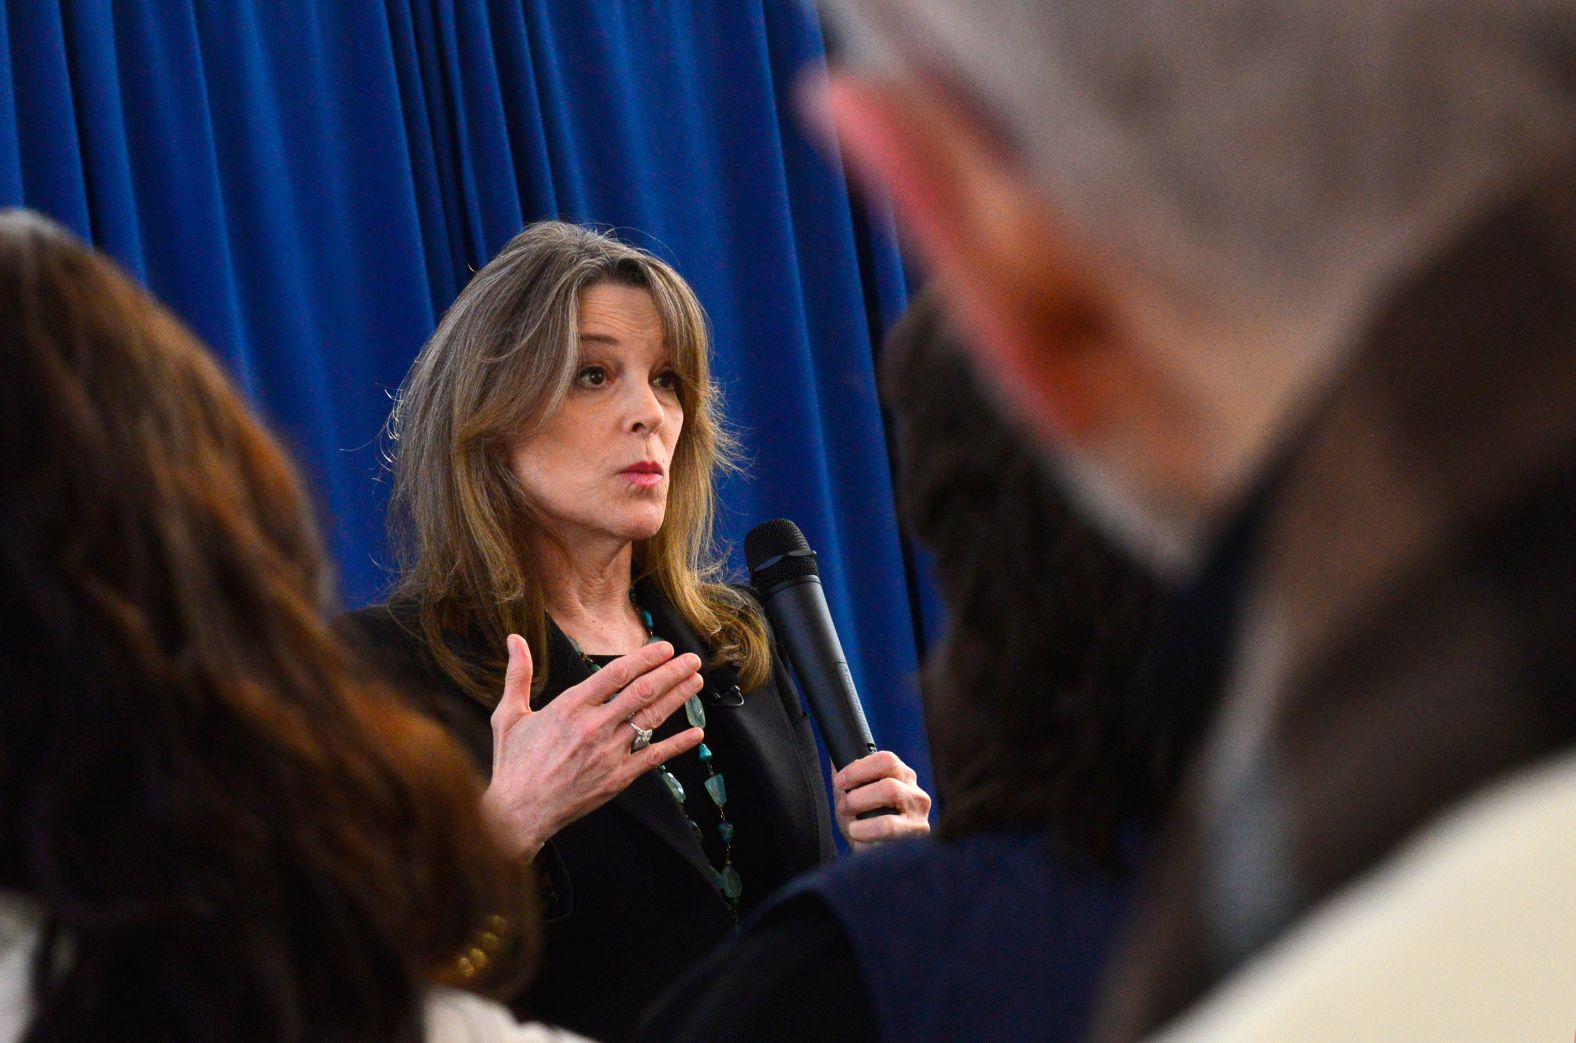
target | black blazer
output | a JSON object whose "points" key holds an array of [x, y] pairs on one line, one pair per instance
{"points": [[630, 903]]}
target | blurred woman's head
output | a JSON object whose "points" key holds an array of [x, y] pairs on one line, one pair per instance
{"points": [[1026, 697], [231, 835], [482, 459]]}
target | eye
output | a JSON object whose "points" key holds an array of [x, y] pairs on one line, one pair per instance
{"points": [[591, 376], [668, 380]]}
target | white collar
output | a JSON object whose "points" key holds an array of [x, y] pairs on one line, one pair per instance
{"points": [[21, 924]]}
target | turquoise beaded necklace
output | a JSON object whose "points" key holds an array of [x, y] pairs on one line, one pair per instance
{"points": [[726, 880]]}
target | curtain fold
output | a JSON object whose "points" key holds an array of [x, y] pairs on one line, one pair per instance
{"points": [[309, 185]]}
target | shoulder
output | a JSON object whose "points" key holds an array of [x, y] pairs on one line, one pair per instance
{"points": [[1489, 878], [388, 639], [746, 601], [381, 625], [386, 621], [452, 1016], [1024, 940], [737, 599], [753, 987], [931, 867], [745, 597], [1005, 886], [21, 921]]}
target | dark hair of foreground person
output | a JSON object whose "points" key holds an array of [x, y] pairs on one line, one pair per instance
{"points": [[1028, 699], [230, 834]]}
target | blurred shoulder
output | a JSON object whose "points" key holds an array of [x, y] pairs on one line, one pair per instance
{"points": [[21, 926], [389, 640], [460, 1017]]}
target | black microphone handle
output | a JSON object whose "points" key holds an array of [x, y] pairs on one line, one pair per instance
{"points": [[798, 612]]}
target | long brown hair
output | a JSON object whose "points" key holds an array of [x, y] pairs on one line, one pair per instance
{"points": [[499, 363], [231, 834]]}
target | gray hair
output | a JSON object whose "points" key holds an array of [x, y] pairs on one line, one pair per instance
{"points": [[1246, 154], [1259, 173]]}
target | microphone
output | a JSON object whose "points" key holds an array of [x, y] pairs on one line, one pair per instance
{"points": [[784, 574]]}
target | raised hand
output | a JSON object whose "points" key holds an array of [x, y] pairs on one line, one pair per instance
{"points": [[552, 766]]}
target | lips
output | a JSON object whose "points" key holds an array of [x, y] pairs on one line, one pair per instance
{"points": [[645, 474]]}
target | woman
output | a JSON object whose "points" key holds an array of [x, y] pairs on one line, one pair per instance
{"points": [[556, 443], [211, 827]]}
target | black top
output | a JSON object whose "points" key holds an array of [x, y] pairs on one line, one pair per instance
{"points": [[631, 899], [751, 856]]}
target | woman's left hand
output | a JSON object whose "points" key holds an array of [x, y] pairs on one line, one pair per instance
{"points": [[880, 780]]}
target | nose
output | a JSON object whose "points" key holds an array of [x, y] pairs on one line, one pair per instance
{"points": [[645, 415]]}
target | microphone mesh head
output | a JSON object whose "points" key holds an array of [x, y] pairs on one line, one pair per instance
{"points": [[776, 550]]}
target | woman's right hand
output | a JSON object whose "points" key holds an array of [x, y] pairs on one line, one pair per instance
{"points": [[553, 765]]}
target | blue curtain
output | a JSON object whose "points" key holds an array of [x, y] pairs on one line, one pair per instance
{"points": [[310, 184]]}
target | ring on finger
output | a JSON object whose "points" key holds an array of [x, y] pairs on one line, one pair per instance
{"points": [[642, 736]]}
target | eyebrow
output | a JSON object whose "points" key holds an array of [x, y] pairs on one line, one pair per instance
{"points": [[599, 338]]}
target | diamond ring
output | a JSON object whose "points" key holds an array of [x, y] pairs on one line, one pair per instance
{"points": [[642, 735]]}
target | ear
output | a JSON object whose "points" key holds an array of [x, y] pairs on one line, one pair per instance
{"points": [[1037, 317]]}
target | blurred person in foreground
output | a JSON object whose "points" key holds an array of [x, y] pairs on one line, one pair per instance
{"points": [[557, 445], [1288, 290], [211, 826], [1045, 774]]}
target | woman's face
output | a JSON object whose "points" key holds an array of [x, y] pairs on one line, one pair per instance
{"points": [[598, 469]]}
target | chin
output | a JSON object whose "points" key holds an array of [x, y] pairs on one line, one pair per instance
{"points": [[643, 527]]}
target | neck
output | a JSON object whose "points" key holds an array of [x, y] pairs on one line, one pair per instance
{"points": [[587, 594]]}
